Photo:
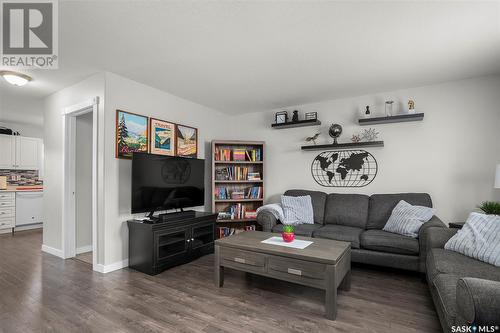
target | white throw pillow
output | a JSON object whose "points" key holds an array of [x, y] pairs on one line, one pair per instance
{"points": [[297, 210], [407, 219], [479, 238]]}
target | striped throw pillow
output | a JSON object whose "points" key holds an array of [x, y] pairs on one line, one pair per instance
{"points": [[407, 219], [479, 238], [297, 210]]}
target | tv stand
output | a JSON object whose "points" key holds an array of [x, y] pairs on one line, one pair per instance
{"points": [[154, 247]]}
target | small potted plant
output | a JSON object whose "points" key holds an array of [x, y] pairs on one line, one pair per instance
{"points": [[490, 207], [288, 233]]}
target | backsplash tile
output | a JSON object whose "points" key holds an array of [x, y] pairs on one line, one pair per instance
{"points": [[21, 177]]}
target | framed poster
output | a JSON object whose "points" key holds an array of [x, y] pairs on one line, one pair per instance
{"points": [[187, 141], [131, 134], [162, 140]]}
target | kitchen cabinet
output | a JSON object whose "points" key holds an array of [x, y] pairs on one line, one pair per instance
{"points": [[20, 152], [7, 210]]}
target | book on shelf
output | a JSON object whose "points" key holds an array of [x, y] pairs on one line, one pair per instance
{"points": [[251, 214], [236, 173], [253, 176], [226, 231], [234, 212], [221, 193], [238, 154], [254, 192]]}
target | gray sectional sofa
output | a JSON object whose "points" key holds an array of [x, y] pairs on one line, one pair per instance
{"points": [[359, 219], [464, 290]]}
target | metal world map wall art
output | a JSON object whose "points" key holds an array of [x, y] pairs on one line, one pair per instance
{"points": [[347, 168]]}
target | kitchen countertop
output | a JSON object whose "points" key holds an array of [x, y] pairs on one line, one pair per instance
{"points": [[23, 189]]}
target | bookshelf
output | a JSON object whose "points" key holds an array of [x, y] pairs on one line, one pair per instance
{"points": [[237, 184]]}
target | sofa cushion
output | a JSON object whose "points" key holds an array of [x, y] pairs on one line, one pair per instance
{"points": [[300, 230], [479, 238], [441, 261], [445, 286], [318, 201], [407, 219], [381, 206], [297, 210], [340, 233], [347, 209], [383, 241]]}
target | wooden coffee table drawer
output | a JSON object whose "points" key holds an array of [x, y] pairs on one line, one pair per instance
{"points": [[235, 257], [299, 271]]}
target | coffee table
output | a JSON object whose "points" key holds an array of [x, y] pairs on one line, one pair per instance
{"points": [[325, 264]]}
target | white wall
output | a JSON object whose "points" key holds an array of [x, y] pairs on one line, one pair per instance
{"points": [[83, 180], [128, 95], [33, 131], [451, 154], [21, 113], [53, 140]]}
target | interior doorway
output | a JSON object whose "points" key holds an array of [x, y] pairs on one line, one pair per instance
{"points": [[83, 187], [80, 182]]}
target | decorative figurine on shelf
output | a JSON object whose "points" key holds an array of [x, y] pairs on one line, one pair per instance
{"points": [[335, 131], [369, 134], [313, 138], [367, 112], [356, 138], [281, 117], [295, 116], [411, 106], [388, 108]]}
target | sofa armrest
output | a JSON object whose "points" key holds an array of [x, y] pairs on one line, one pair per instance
{"points": [[266, 220], [478, 302], [434, 235], [435, 238]]}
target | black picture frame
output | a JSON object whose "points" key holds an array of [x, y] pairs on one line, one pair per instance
{"points": [[280, 114]]}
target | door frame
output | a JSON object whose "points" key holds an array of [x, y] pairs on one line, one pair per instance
{"points": [[69, 177]]}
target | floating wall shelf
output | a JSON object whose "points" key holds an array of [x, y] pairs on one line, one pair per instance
{"points": [[300, 123], [345, 145], [400, 118]]}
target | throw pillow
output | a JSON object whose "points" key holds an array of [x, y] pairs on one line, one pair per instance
{"points": [[297, 210], [407, 219], [479, 238]]}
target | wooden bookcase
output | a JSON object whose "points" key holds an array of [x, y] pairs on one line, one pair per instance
{"points": [[225, 169]]}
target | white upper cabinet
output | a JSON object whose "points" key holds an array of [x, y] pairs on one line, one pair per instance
{"points": [[27, 153], [19, 152], [7, 152]]}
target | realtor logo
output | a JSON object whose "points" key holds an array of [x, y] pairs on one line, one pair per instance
{"points": [[29, 34]]}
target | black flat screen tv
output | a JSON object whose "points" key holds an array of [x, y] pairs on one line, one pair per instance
{"points": [[166, 182]]}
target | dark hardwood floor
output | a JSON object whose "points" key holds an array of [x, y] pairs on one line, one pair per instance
{"points": [[42, 293]]}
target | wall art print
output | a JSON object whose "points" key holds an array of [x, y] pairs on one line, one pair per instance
{"points": [[345, 168], [162, 141], [187, 141], [131, 134]]}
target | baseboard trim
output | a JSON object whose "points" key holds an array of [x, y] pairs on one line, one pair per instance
{"points": [[83, 249], [112, 267], [53, 251]]}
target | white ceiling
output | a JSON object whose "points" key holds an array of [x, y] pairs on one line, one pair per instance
{"points": [[251, 56]]}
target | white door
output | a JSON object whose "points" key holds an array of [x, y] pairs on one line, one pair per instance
{"points": [[27, 153], [7, 151]]}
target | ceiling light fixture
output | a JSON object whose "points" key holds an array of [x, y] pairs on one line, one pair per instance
{"points": [[16, 79]]}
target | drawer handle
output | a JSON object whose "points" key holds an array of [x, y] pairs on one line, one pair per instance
{"points": [[295, 271], [240, 260]]}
